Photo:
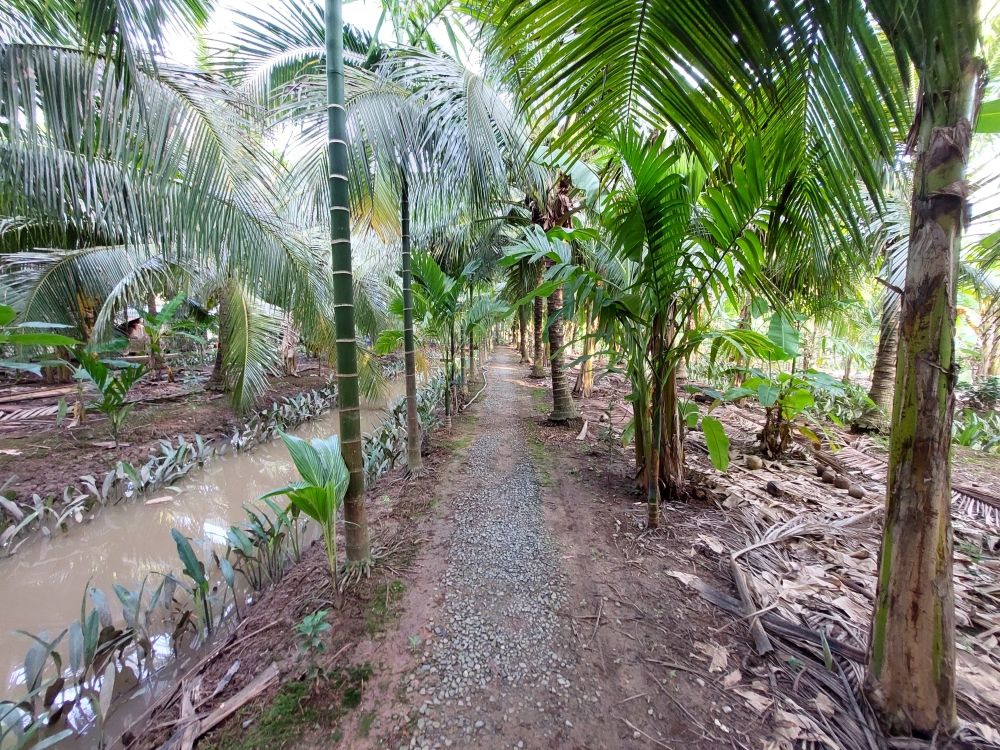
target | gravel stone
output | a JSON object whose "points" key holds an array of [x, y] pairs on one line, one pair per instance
{"points": [[498, 624]]}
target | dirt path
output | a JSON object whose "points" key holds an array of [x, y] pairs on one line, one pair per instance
{"points": [[535, 621]]}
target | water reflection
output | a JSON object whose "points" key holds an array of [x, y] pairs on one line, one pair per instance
{"points": [[42, 586]]}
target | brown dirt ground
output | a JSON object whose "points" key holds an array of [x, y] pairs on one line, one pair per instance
{"points": [[50, 458], [642, 671]]}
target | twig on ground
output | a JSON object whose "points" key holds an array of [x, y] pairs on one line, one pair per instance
{"points": [[679, 705], [597, 624], [634, 728], [640, 695]]}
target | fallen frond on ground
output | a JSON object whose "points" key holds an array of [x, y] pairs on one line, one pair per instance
{"points": [[809, 555]]}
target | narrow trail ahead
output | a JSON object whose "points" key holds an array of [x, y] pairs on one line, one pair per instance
{"points": [[538, 614], [497, 654]]}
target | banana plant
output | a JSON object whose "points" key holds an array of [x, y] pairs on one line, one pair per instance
{"points": [[28, 334], [321, 492]]}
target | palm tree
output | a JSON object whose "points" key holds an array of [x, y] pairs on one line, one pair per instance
{"points": [[348, 392], [659, 65], [108, 155], [911, 668]]}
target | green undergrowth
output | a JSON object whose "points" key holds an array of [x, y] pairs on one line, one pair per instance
{"points": [[463, 432], [383, 606], [541, 399], [299, 707]]}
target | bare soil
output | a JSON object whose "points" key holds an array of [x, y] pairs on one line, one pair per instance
{"points": [[45, 458]]}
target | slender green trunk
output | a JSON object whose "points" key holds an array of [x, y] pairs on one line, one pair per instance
{"points": [[640, 415], [563, 407], [656, 426], [538, 364], [414, 461], [449, 400], [349, 406], [472, 358], [585, 380], [522, 320], [911, 667], [461, 359]]}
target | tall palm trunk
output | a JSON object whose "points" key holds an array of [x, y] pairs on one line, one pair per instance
{"points": [[414, 461], [883, 371], [653, 452], [585, 380], [538, 364], [461, 358], [472, 358], [911, 666], [349, 405], [522, 320], [563, 408]]}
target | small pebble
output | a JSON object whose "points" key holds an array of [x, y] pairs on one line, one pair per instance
{"points": [[775, 488]]}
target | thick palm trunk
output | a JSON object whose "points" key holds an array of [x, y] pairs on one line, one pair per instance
{"points": [[522, 320], [911, 668], [349, 407], [563, 408], [538, 364], [414, 461]]}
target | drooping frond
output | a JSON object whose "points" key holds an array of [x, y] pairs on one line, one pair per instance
{"points": [[251, 330]]}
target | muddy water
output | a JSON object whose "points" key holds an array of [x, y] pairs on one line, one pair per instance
{"points": [[42, 585]]}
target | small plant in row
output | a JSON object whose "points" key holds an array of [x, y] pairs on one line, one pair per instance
{"points": [[386, 446]]}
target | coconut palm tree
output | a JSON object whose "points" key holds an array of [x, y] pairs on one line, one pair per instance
{"points": [[109, 152]]}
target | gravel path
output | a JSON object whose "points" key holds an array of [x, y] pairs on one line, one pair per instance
{"points": [[498, 653]]}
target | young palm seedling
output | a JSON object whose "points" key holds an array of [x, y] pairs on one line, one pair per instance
{"points": [[321, 492], [309, 634], [114, 388]]}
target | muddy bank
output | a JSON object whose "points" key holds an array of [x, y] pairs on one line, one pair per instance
{"points": [[300, 710], [45, 458]]}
